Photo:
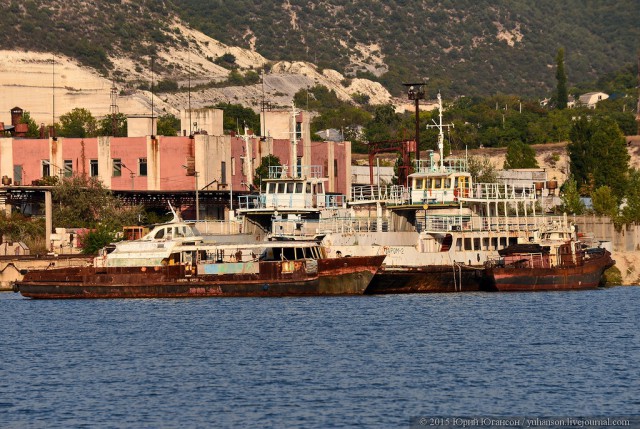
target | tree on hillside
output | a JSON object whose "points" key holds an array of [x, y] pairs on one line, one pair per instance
{"points": [[562, 95], [631, 210], [32, 127], [235, 115], [168, 125], [106, 125], [384, 124], [571, 202], [84, 202], [78, 123], [604, 202], [598, 155], [262, 172], [520, 155], [482, 170]]}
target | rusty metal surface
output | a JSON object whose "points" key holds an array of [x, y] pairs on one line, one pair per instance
{"points": [[427, 279], [586, 276], [275, 278], [349, 275]]}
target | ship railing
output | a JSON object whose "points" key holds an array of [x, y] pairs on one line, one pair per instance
{"points": [[442, 223], [450, 165], [283, 171], [315, 227], [445, 223], [393, 194], [522, 260], [502, 191], [287, 201]]}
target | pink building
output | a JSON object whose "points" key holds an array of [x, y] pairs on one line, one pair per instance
{"points": [[208, 160]]}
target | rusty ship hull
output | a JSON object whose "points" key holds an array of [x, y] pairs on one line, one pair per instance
{"points": [[427, 279], [347, 276], [587, 275]]}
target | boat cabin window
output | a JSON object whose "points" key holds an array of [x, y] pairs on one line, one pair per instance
{"points": [[418, 184], [290, 188], [447, 183], [438, 183], [308, 188], [299, 188], [272, 188], [159, 234], [281, 188]]}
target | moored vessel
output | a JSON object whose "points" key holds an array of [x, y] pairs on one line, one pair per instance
{"points": [[173, 262], [553, 263]]}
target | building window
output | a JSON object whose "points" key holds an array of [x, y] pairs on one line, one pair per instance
{"points": [[68, 168], [233, 165], [117, 167], [223, 172], [46, 168], [17, 174], [142, 166], [335, 168], [298, 130], [93, 167]]}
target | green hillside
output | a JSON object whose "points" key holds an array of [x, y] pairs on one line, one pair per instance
{"points": [[471, 47]]}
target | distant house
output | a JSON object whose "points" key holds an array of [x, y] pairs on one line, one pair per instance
{"points": [[590, 99]]}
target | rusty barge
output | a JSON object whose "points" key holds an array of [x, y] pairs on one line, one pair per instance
{"points": [[551, 264], [172, 261]]}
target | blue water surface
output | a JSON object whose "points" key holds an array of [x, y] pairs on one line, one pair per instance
{"points": [[371, 361]]}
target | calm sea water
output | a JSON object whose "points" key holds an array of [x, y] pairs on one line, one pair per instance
{"points": [[317, 362]]}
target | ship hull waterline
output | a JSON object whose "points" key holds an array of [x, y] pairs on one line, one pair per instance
{"points": [[427, 279], [511, 279], [346, 276]]}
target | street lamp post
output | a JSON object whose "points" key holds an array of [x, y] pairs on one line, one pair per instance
{"points": [[415, 91]]}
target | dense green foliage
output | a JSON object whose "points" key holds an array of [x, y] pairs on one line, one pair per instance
{"points": [[571, 202], [33, 130], [631, 209], [78, 123], [113, 125], [262, 172], [598, 155], [463, 47], [236, 116], [84, 202], [604, 202], [520, 155], [28, 230], [562, 94], [168, 125]]}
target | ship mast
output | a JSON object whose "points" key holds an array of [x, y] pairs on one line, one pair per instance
{"points": [[441, 128], [248, 158]]}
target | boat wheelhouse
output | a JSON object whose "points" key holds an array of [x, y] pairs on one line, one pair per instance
{"points": [[440, 182]]}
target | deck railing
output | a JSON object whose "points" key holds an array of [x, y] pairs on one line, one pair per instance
{"points": [[283, 171], [392, 194], [315, 227]]}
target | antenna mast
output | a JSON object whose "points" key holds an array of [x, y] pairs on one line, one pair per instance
{"points": [[152, 76], [53, 96], [113, 110], [189, 84], [441, 128], [294, 142]]}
